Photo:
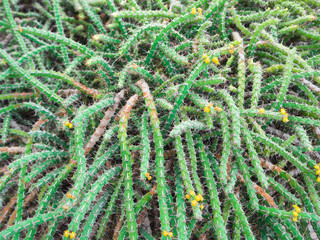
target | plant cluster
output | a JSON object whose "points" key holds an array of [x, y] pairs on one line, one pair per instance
{"points": [[160, 119]]}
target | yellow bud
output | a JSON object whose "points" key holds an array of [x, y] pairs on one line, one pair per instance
{"points": [[11, 169], [277, 8], [286, 9], [206, 109], [194, 11], [171, 234], [318, 179], [66, 123], [294, 206], [187, 196], [66, 233], [201, 198], [205, 56], [192, 193], [285, 120], [165, 233], [70, 125], [201, 206], [147, 174], [198, 197], [72, 235], [298, 210], [231, 46], [316, 167], [134, 66], [200, 11], [318, 172], [268, 9], [295, 219], [20, 29], [261, 111], [295, 214], [215, 60], [231, 51], [149, 178], [283, 111], [207, 60], [194, 203], [218, 109]]}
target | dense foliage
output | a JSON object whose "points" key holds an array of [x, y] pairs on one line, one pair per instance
{"points": [[160, 119]]}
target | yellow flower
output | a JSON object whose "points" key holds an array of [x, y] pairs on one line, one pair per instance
{"points": [[198, 197], [201, 206], [192, 193], [194, 11], [298, 210], [70, 125], [11, 169], [283, 111], [285, 120], [207, 60], [210, 105], [218, 109], [66, 123], [205, 56], [149, 178], [215, 60], [147, 174], [295, 214], [187, 196], [206, 109], [261, 111], [194, 203], [171, 234], [72, 235], [165, 233], [20, 29], [295, 219], [200, 11], [268, 9], [96, 37], [65, 207], [318, 172], [231, 51], [316, 167], [134, 66], [66, 233], [133, 9], [318, 179]]}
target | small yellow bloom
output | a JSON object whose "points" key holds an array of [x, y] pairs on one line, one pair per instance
{"points": [[218, 109], [201, 207], [165, 233], [215, 60], [11, 169], [194, 203], [206, 109], [295, 219], [171, 234], [72, 235], [20, 29], [133, 9], [65, 207], [200, 11], [198, 197], [66, 233], [295, 214], [201, 198], [149, 178], [283, 111], [285, 120], [318, 172], [68, 195], [316, 167], [134, 66], [187, 196], [207, 60], [231, 51], [298, 210], [205, 56], [66, 123], [70, 125], [261, 111], [277, 8], [194, 11], [286, 9], [268, 9], [318, 179], [210, 105], [147, 174], [192, 193]]}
